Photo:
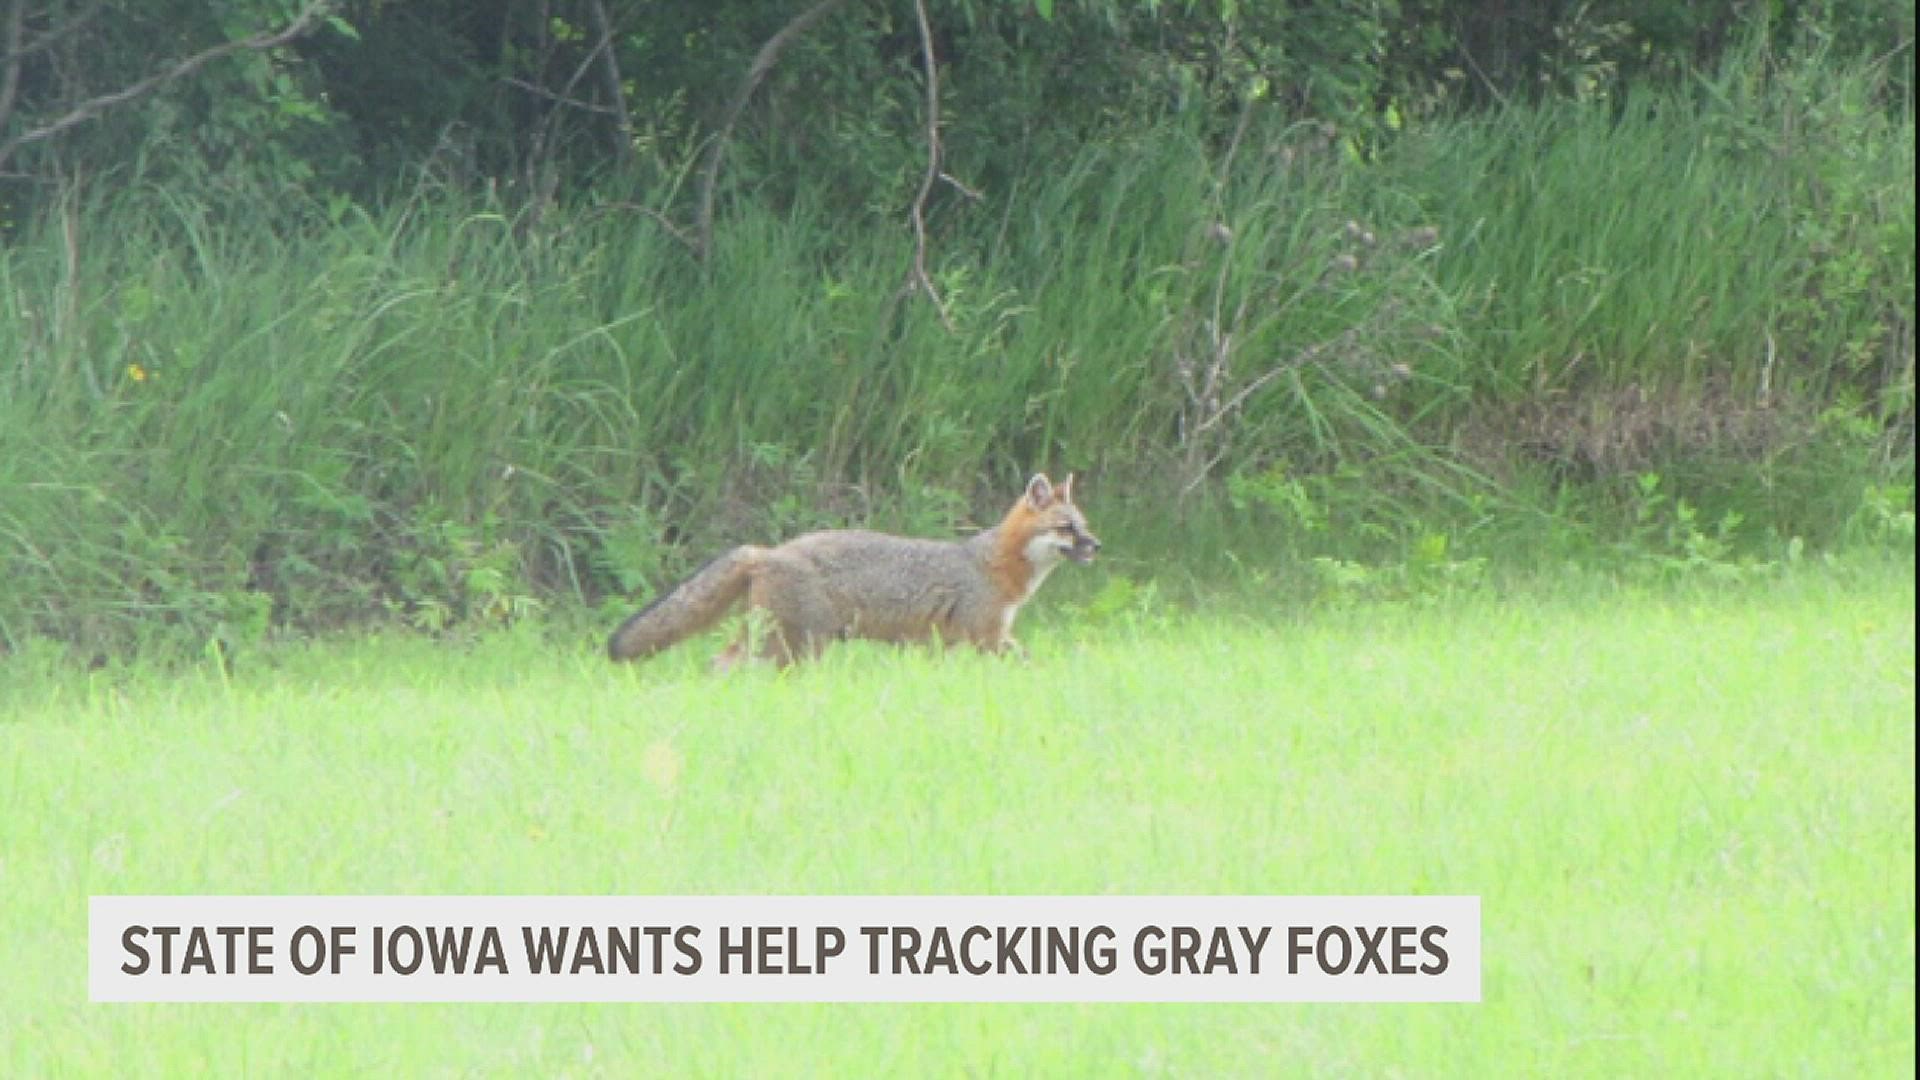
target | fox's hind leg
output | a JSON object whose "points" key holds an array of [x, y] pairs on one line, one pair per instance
{"points": [[762, 640], [770, 635], [731, 656], [779, 649], [799, 619]]}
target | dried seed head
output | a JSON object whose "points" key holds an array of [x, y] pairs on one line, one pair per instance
{"points": [[1424, 237]]}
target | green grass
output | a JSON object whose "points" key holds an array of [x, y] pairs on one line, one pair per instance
{"points": [[1689, 815], [1668, 240], [220, 415]]}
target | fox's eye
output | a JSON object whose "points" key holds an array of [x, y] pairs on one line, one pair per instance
{"points": [[1066, 529]]}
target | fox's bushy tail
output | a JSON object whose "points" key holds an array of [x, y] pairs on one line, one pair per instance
{"points": [[688, 608]]}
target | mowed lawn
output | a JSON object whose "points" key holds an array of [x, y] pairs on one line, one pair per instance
{"points": [[1689, 816]]}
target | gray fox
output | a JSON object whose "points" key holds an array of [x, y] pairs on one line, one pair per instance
{"points": [[828, 586]]}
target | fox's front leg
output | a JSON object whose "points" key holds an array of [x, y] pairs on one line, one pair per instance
{"points": [[1007, 647]]}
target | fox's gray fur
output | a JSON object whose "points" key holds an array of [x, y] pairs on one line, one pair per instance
{"points": [[827, 586]]}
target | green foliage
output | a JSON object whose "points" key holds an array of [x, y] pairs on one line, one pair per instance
{"points": [[1671, 538], [1885, 516], [448, 574], [1119, 601], [245, 117], [1572, 285], [455, 408], [525, 98], [1292, 499], [1426, 574]]}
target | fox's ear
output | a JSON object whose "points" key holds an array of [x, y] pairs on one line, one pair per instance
{"points": [[1065, 490], [1039, 491]]}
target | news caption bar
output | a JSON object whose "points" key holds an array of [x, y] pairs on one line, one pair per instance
{"points": [[784, 948]]}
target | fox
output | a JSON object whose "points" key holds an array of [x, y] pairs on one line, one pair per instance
{"points": [[839, 584]]}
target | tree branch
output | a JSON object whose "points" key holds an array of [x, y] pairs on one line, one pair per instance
{"points": [[558, 99], [54, 36], [93, 107], [610, 73], [918, 277], [10, 51], [542, 180], [763, 62], [656, 216], [58, 33]]}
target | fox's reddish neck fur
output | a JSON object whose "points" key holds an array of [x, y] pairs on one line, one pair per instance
{"points": [[1012, 571]]}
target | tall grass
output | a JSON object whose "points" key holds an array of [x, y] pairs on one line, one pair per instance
{"points": [[216, 417], [1681, 239]]}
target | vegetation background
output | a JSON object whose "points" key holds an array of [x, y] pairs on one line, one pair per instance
{"points": [[462, 326], [449, 313]]}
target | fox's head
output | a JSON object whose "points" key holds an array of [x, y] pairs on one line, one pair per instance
{"points": [[1053, 527]]}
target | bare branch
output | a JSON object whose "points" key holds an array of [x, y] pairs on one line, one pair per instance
{"points": [[560, 99], [610, 74], [542, 180], [54, 36], [564, 95], [763, 62], [963, 189], [180, 69], [1493, 88], [10, 49], [1225, 408], [918, 277], [657, 217]]}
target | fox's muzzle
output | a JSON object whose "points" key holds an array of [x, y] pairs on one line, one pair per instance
{"points": [[1085, 546]]}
